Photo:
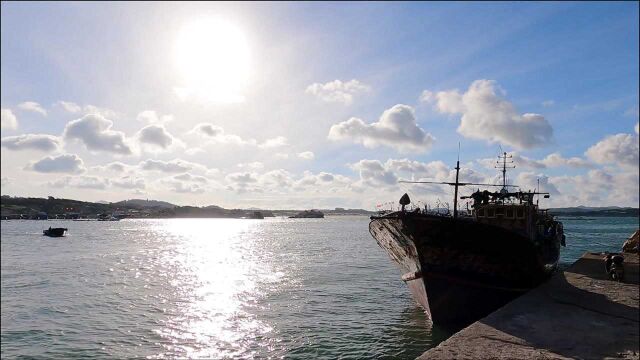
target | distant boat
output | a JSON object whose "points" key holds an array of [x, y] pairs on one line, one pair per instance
{"points": [[54, 232], [308, 214]]}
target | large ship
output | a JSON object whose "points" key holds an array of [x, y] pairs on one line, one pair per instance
{"points": [[462, 266]]}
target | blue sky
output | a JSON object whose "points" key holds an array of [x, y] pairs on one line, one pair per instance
{"points": [[341, 100]]}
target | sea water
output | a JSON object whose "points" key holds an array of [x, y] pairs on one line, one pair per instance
{"points": [[221, 288]]}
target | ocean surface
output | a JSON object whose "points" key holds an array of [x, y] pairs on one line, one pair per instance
{"points": [[221, 288]]}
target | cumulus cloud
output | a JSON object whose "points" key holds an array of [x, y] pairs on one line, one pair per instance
{"points": [[155, 135], [173, 166], [182, 187], [87, 109], [396, 128], [190, 177], [252, 165], [434, 170], [486, 115], [114, 167], [518, 160], [41, 142], [152, 117], [529, 181], [556, 160], [337, 90], [241, 182], [33, 107], [621, 149], [8, 120], [129, 182], [274, 142], [94, 131], [65, 163], [70, 106], [217, 135], [307, 155], [374, 173], [82, 182]]}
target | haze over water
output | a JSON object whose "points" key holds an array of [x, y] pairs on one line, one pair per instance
{"points": [[221, 288]]}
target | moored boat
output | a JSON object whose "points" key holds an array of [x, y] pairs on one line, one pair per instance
{"points": [[463, 266]]}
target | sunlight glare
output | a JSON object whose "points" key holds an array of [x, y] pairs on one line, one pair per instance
{"points": [[212, 57]]}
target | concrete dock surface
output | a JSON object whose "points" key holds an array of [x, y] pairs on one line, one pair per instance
{"points": [[579, 313]]}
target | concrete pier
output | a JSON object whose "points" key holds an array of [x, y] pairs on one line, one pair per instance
{"points": [[579, 313]]}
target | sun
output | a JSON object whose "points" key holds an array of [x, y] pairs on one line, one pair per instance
{"points": [[212, 59]]}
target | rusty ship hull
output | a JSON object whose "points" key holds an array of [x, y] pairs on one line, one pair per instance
{"points": [[460, 270]]}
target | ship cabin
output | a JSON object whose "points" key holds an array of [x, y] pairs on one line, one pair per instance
{"points": [[515, 211]]}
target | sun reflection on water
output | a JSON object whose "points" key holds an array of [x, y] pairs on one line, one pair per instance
{"points": [[218, 270]]}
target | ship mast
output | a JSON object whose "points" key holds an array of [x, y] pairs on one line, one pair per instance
{"points": [[455, 187], [504, 157]]}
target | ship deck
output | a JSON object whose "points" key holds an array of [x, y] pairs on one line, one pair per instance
{"points": [[579, 313]]}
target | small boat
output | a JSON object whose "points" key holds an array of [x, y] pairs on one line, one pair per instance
{"points": [[54, 232]]}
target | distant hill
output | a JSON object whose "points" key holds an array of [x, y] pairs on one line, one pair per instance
{"points": [[142, 203], [596, 211]]}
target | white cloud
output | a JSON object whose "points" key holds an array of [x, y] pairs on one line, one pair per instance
{"points": [[278, 141], [434, 170], [74, 108], [548, 103], [556, 160], [252, 165], [487, 116], [183, 187], [173, 166], [152, 117], [41, 142], [129, 182], [65, 163], [338, 91], [82, 182], [374, 173], [195, 151], [242, 182], [621, 149], [70, 106], [190, 177], [33, 107], [94, 131], [427, 96], [8, 120], [217, 135], [282, 155], [307, 155], [529, 181], [155, 135], [396, 128]]}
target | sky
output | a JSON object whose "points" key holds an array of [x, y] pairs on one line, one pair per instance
{"points": [[318, 105]]}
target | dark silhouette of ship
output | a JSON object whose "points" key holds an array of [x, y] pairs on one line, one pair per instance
{"points": [[461, 267]]}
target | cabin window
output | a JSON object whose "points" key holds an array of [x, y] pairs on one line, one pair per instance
{"points": [[520, 213], [499, 211], [480, 212], [509, 213], [491, 213]]}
